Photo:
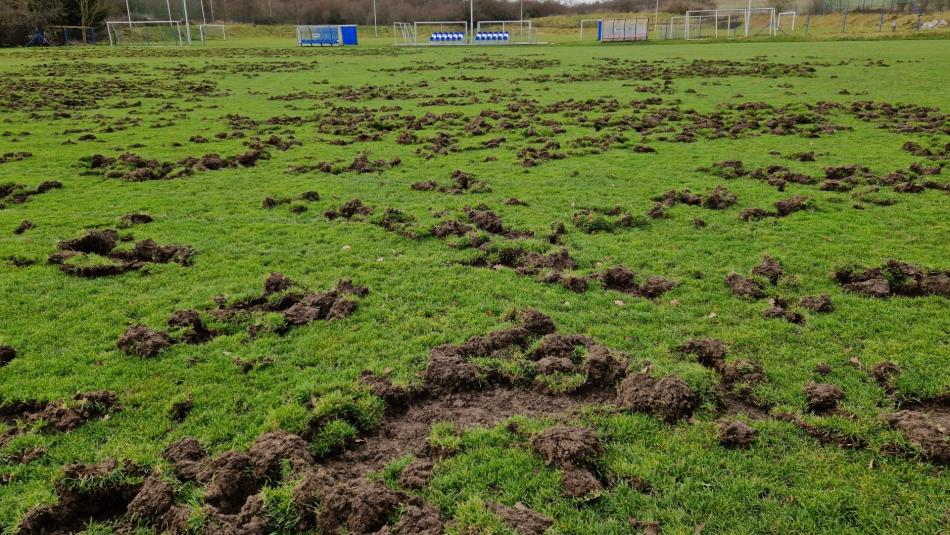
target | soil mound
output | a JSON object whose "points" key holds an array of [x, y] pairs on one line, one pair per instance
{"points": [[736, 434], [562, 446], [521, 519], [7, 354], [823, 398], [743, 287], [106, 499], [817, 303], [894, 278], [186, 457], [358, 506], [669, 398], [769, 269], [141, 341]]}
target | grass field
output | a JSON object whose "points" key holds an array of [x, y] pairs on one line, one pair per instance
{"points": [[567, 131]]}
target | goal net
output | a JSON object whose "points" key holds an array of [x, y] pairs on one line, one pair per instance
{"points": [[729, 23], [404, 34], [145, 33], [673, 28], [212, 32]]}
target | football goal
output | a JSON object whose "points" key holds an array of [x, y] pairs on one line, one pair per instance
{"points": [[729, 23], [673, 28], [212, 32], [591, 22], [404, 34], [788, 15], [144, 33]]}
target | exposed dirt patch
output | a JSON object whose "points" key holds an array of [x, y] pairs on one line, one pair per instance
{"points": [[7, 354], [780, 308], [521, 519], [298, 307], [12, 193], [418, 518], [824, 435], [136, 218], [928, 428], [55, 416], [76, 505], [417, 474], [894, 278], [24, 226], [574, 450], [74, 257]]}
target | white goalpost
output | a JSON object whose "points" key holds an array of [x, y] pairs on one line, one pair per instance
{"points": [[144, 33], [778, 20], [212, 31], [716, 23], [588, 21], [406, 31], [674, 28]]}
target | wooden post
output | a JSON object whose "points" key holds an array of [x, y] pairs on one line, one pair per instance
{"points": [[844, 21], [807, 23], [880, 24]]}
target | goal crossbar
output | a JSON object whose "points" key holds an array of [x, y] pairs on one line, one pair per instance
{"points": [[728, 15], [587, 21], [112, 28], [202, 31]]}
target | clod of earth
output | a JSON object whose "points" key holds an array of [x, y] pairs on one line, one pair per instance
{"points": [[823, 398], [24, 226], [769, 268], [522, 520], [56, 416], [894, 278], [736, 434], [743, 287], [669, 398], [624, 280], [779, 308], [7, 354], [885, 373], [141, 341], [817, 303], [567, 446]]}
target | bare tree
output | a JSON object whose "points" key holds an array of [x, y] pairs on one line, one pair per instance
{"points": [[90, 12]]}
